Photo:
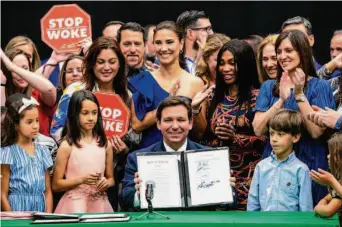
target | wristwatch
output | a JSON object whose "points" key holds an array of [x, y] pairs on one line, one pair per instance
{"points": [[301, 98]]}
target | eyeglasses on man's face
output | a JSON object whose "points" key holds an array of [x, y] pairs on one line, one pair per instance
{"points": [[208, 29]]}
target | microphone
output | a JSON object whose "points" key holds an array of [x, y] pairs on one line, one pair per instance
{"points": [[149, 190], [150, 185]]}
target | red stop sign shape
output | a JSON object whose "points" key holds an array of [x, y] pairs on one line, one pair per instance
{"points": [[64, 26], [115, 114]]}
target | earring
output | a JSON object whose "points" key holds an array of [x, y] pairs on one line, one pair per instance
{"points": [[181, 51]]}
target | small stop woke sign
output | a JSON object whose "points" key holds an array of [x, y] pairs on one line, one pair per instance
{"points": [[64, 26], [115, 114]]}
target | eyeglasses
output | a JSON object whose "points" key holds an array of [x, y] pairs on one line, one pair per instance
{"points": [[78, 70], [208, 29]]}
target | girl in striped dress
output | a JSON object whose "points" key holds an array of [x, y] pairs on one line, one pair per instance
{"points": [[25, 182]]}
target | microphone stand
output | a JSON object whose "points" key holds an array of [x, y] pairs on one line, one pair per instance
{"points": [[151, 211]]}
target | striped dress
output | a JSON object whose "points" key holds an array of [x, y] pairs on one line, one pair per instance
{"points": [[27, 176]]}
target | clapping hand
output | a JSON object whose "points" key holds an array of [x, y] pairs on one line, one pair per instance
{"points": [[298, 79], [224, 131], [175, 88], [324, 118], [322, 177], [201, 96], [285, 86]]}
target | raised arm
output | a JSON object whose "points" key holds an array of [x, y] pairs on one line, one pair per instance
{"points": [[43, 85], [331, 66], [55, 58], [199, 107], [304, 106], [261, 118]]}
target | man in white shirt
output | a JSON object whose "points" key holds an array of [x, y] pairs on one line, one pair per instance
{"points": [[196, 27]]}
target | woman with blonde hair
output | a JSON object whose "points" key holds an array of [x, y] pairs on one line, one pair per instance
{"points": [[25, 44], [206, 68], [267, 59]]}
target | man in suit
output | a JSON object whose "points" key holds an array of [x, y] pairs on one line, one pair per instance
{"points": [[131, 38], [174, 120]]}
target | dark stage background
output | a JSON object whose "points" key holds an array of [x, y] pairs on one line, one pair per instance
{"points": [[236, 19]]}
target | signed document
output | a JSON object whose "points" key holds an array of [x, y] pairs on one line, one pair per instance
{"points": [[208, 174], [164, 170], [186, 179]]}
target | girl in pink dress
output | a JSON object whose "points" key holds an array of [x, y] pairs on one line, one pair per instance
{"points": [[84, 158]]}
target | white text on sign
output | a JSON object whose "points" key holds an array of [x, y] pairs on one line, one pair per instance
{"points": [[66, 28], [109, 115]]}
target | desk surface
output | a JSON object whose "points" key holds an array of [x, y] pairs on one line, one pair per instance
{"points": [[197, 219]]}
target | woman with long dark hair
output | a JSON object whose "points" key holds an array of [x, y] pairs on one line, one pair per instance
{"points": [[230, 113], [103, 72], [150, 88], [296, 87], [103, 67]]}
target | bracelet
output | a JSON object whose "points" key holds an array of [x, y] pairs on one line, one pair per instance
{"points": [[4, 85], [197, 111], [48, 65]]}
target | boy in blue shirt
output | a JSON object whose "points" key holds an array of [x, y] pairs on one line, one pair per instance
{"points": [[282, 182]]}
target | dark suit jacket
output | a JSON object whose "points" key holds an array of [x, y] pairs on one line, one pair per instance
{"points": [[128, 190]]}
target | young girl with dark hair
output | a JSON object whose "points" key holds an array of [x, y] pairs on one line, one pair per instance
{"points": [[85, 158], [25, 182], [331, 203]]}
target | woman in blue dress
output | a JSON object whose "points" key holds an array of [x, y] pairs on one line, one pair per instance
{"points": [[25, 182], [150, 88], [298, 88]]}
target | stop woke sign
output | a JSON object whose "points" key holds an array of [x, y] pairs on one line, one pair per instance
{"points": [[64, 26], [115, 114]]}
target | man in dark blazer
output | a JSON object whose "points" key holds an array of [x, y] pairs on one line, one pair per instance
{"points": [[174, 120]]}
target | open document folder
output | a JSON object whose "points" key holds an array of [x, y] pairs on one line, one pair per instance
{"points": [[186, 179], [45, 218]]}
